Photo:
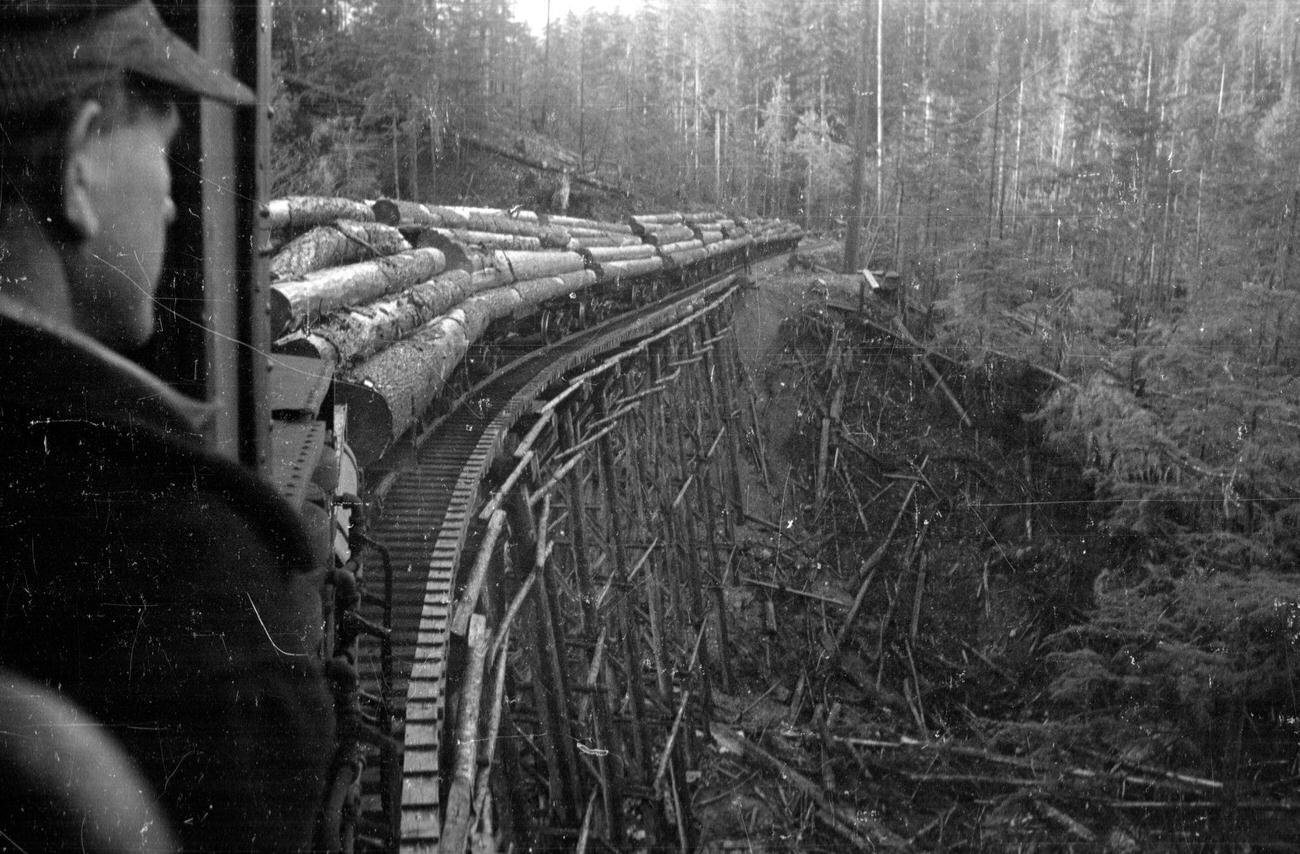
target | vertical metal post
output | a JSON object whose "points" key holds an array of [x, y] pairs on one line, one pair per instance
{"points": [[230, 190], [219, 221], [255, 298], [235, 145]]}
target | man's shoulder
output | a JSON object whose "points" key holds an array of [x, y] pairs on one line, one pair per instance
{"points": [[109, 474], [50, 372], [93, 441]]}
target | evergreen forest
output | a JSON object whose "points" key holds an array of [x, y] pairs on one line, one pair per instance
{"points": [[1092, 206]]}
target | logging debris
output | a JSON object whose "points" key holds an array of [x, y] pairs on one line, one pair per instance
{"points": [[891, 640]]}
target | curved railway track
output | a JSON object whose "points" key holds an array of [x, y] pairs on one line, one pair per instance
{"points": [[428, 511]]}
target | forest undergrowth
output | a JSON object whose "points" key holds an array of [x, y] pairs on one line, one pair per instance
{"points": [[1010, 603]]}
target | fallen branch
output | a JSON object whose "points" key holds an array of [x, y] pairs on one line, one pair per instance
{"points": [[857, 502], [1054, 772], [860, 830], [681, 711], [672, 738], [830, 600], [1072, 825], [543, 165], [906, 337], [1002, 671], [832, 417], [853, 443], [585, 833], [942, 385], [873, 562], [975, 779], [774, 527], [762, 452], [1253, 805], [1160, 772]]}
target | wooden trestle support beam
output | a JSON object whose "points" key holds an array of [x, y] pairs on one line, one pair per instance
{"points": [[593, 618]]}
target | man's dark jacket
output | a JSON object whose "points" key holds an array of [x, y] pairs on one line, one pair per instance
{"points": [[166, 591]]}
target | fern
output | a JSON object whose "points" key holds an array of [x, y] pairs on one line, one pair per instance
{"points": [[1180, 654]]}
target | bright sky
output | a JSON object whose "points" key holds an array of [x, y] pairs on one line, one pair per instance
{"points": [[533, 12]]}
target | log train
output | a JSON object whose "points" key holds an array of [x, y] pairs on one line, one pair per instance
{"points": [[386, 317], [332, 332]]}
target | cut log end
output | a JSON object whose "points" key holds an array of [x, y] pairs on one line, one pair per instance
{"points": [[458, 256], [281, 313], [370, 420], [386, 212]]}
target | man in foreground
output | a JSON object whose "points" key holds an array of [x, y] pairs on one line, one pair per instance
{"points": [[163, 590]]}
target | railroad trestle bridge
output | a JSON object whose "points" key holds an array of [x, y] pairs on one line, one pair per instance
{"points": [[554, 557]]}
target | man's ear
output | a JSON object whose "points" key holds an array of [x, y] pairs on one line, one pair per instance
{"points": [[79, 169]]}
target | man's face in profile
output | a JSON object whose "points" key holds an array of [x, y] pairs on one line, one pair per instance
{"points": [[127, 185]]}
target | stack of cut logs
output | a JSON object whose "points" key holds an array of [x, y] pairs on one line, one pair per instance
{"points": [[391, 294]]}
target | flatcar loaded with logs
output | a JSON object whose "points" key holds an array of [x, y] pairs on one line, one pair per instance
{"points": [[317, 339]]}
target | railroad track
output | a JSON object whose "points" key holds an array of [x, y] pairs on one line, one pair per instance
{"points": [[428, 513]]}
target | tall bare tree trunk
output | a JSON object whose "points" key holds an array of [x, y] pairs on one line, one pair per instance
{"points": [[997, 115], [1200, 179], [853, 239], [898, 228], [753, 154], [927, 96], [880, 109], [546, 71], [582, 97], [432, 94], [717, 156], [808, 196], [413, 168], [1015, 168], [684, 140], [1058, 144], [397, 172], [435, 145], [697, 112]]}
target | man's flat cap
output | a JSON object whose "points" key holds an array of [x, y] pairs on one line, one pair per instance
{"points": [[51, 49]]}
